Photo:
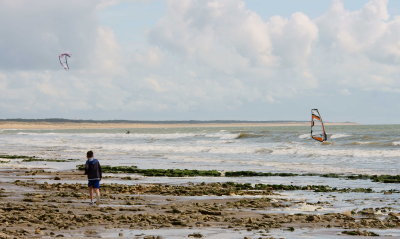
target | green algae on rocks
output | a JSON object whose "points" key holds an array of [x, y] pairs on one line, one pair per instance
{"points": [[374, 178], [219, 189], [34, 158], [157, 172], [360, 233], [4, 156], [216, 173]]}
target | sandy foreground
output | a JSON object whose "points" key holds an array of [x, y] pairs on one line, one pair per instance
{"points": [[40, 204], [48, 125]]}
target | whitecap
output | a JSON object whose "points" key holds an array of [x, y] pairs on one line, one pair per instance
{"points": [[304, 136], [338, 136]]}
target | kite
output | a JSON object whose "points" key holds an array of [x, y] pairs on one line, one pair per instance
{"points": [[64, 60]]}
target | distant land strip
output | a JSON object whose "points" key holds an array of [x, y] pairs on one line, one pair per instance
{"points": [[60, 124], [61, 120]]}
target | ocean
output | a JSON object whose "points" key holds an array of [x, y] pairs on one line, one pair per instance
{"points": [[350, 149]]}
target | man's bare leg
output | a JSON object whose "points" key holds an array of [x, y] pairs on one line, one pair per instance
{"points": [[97, 190], [91, 194]]}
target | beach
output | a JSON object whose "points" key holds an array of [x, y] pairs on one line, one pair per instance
{"points": [[38, 204], [200, 181], [216, 119]]}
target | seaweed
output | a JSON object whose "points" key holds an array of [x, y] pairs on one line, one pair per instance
{"points": [[179, 172], [386, 178], [4, 156], [360, 233], [157, 172], [216, 173], [257, 174], [34, 159], [315, 188], [374, 178]]}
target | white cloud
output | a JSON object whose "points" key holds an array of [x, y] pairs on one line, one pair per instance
{"points": [[204, 55], [224, 42], [33, 34], [356, 48]]}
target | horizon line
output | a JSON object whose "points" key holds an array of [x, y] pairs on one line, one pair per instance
{"points": [[64, 120]]}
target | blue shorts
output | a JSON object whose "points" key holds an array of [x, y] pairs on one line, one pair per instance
{"points": [[94, 183]]}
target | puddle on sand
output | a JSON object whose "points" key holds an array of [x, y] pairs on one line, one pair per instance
{"points": [[334, 202], [219, 233], [332, 233], [209, 233]]}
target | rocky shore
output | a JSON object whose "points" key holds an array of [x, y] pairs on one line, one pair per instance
{"points": [[49, 207]]}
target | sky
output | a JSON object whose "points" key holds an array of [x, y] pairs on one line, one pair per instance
{"points": [[201, 59]]}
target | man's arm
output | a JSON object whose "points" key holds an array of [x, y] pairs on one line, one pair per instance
{"points": [[101, 175], [86, 168]]}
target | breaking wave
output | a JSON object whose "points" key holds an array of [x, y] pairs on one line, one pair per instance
{"points": [[248, 135], [304, 136], [338, 136]]}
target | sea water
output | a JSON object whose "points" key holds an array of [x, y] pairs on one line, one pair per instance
{"points": [[366, 149], [358, 149]]}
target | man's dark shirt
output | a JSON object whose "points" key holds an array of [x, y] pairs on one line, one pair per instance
{"points": [[93, 169]]}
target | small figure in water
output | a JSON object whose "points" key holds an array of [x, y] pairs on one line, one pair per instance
{"points": [[93, 172], [128, 132]]}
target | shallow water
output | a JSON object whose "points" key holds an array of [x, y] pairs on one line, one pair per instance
{"points": [[370, 149], [321, 203], [366, 149], [217, 233]]}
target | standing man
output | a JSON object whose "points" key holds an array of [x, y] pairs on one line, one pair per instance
{"points": [[93, 172]]}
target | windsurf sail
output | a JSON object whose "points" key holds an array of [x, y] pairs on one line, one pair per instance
{"points": [[64, 60], [317, 126]]}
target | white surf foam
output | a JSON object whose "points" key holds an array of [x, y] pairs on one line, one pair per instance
{"points": [[115, 135], [304, 136], [223, 135], [311, 151], [338, 136]]}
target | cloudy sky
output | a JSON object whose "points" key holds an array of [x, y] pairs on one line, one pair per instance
{"points": [[201, 59]]}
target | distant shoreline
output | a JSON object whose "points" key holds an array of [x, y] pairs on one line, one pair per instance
{"points": [[148, 124], [62, 120]]}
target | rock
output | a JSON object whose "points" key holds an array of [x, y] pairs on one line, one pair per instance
{"points": [[395, 215], [347, 213], [367, 211], [178, 223], [32, 200], [175, 210], [5, 236], [207, 212], [149, 237], [360, 233], [195, 235], [310, 218]]}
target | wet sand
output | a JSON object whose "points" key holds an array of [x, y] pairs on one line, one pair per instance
{"points": [[50, 125], [39, 204]]}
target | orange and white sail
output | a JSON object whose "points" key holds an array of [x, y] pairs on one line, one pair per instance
{"points": [[317, 126]]}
